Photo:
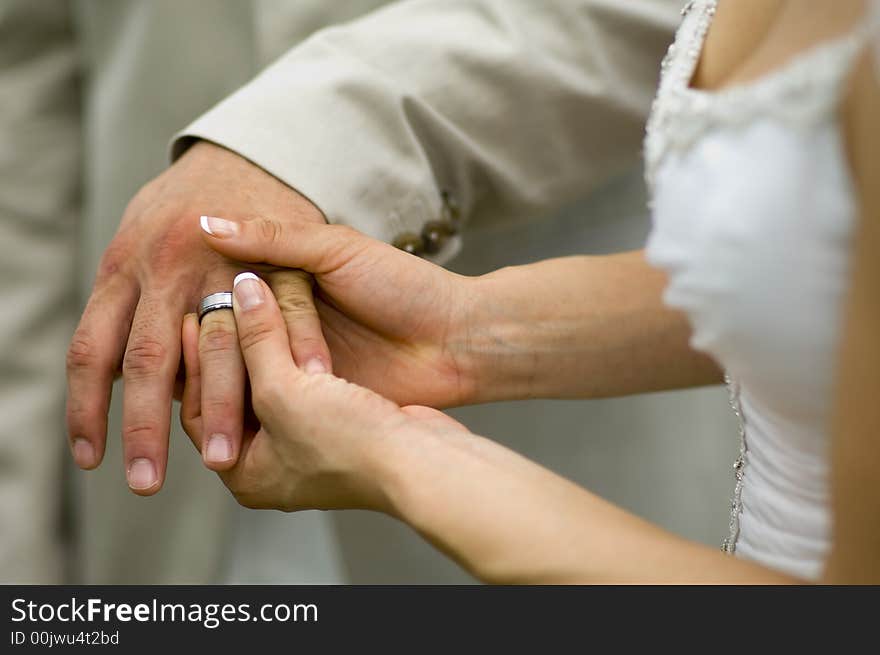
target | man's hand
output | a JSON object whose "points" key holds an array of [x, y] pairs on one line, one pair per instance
{"points": [[155, 270]]}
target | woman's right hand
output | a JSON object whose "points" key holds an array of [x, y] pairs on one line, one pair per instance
{"points": [[394, 323]]}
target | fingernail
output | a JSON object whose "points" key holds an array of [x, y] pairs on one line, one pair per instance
{"points": [[218, 449], [83, 453], [248, 290], [141, 473], [219, 227], [314, 366]]}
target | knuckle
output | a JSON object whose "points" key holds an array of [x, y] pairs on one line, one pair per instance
{"points": [[297, 305], [218, 406], [142, 431], [269, 230], [144, 357], [79, 417], [82, 353], [290, 281], [255, 334], [140, 201], [347, 245], [114, 259], [217, 337], [165, 253], [293, 291]]}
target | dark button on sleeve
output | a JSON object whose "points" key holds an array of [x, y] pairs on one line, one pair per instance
{"points": [[435, 234], [411, 243]]}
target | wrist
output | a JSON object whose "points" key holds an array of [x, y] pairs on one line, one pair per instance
{"points": [[287, 200], [394, 462], [499, 357], [417, 470], [464, 494], [457, 344]]}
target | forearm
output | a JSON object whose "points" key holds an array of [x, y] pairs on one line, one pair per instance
{"points": [[508, 520], [583, 327]]}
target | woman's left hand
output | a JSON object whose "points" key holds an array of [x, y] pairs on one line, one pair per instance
{"points": [[324, 443], [315, 440]]}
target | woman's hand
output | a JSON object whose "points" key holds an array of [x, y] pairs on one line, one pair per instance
{"points": [[393, 322], [319, 442], [315, 441]]}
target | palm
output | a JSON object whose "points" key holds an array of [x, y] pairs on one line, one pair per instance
{"points": [[404, 370]]}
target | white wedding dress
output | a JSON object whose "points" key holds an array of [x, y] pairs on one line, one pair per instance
{"points": [[754, 210]]}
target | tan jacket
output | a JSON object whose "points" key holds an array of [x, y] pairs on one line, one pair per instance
{"points": [[516, 107]]}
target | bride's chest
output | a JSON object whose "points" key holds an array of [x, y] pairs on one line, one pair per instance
{"points": [[753, 212], [753, 227]]}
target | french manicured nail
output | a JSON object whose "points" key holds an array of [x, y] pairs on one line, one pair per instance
{"points": [[218, 449], [141, 473], [248, 290], [314, 366], [83, 453], [219, 227]]}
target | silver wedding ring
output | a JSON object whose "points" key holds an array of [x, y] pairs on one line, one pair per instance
{"points": [[215, 301]]}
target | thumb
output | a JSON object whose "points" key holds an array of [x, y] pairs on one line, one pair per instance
{"points": [[316, 248], [263, 337]]}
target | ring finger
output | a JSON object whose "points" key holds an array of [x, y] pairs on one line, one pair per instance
{"points": [[222, 376]]}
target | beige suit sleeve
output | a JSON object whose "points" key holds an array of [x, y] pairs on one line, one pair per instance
{"points": [[515, 107]]}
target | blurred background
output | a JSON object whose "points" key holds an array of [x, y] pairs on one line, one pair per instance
{"points": [[90, 94]]}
